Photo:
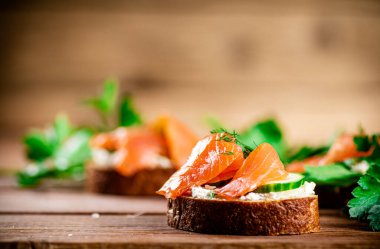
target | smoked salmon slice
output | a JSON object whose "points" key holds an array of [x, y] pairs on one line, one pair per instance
{"points": [[180, 140], [230, 171], [299, 167], [139, 149], [210, 156], [105, 141], [343, 148], [134, 148], [261, 166]]}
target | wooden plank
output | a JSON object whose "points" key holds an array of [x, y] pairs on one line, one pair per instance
{"points": [[11, 154], [272, 61], [328, 111], [89, 46], [29, 201], [209, 6], [264, 58], [147, 231], [62, 196]]}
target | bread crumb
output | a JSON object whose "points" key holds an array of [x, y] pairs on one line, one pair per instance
{"points": [[95, 215], [70, 234]]}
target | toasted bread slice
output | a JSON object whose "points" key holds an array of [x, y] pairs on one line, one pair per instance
{"points": [[109, 181], [216, 216]]}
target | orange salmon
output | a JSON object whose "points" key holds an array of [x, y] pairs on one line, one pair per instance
{"points": [[105, 141], [180, 140], [230, 171], [261, 166], [343, 148], [140, 149], [299, 166], [208, 159], [135, 148]]}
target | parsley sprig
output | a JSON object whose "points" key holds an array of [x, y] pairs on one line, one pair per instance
{"points": [[365, 205], [228, 136], [59, 151], [228, 153], [62, 149], [109, 104]]}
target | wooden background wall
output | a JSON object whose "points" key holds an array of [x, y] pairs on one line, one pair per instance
{"points": [[314, 63]]}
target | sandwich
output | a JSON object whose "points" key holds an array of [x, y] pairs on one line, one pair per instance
{"points": [[137, 160], [227, 187], [337, 170]]}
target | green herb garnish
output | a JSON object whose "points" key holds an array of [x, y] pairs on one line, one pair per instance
{"points": [[106, 105], [306, 152], [58, 151], [366, 204], [233, 136], [363, 143], [337, 175], [228, 153], [268, 131], [61, 150], [128, 115]]}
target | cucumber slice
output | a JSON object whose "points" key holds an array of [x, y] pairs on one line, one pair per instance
{"points": [[293, 181]]}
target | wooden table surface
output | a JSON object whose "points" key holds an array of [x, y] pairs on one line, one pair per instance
{"points": [[67, 218]]}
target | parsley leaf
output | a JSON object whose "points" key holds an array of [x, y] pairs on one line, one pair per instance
{"points": [[42, 144], [62, 128], [74, 151], [362, 143], [375, 155], [374, 218], [106, 102], [62, 150], [366, 201], [265, 131], [37, 145], [128, 114], [337, 175], [32, 175], [306, 152], [58, 151]]}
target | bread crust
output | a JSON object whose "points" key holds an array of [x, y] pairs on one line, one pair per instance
{"points": [[109, 181], [290, 216]]}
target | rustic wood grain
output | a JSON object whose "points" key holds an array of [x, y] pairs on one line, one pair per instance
{"points": [[151, 231], [68, 197], [312, 63], [53, 218], [31, 201]]}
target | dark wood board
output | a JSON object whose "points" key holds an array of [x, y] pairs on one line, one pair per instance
{"points": [[70, 198], [266, 57], [63, 218], [147, 231], [29, 201]]}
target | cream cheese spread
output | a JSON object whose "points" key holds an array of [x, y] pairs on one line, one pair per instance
{"points": [[104, 159], [360, 167], [305, 190]]}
